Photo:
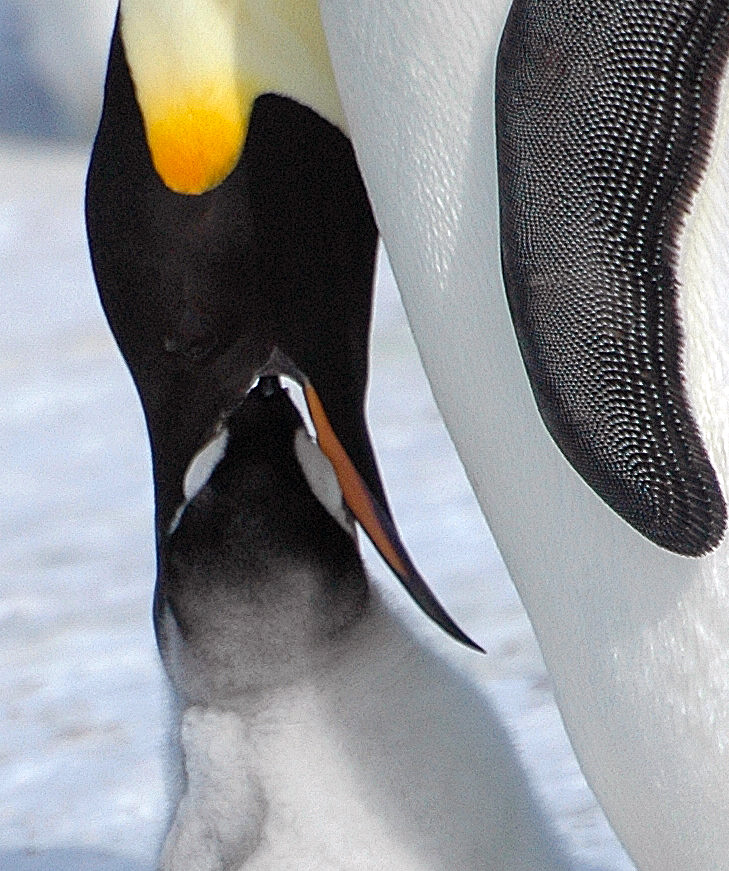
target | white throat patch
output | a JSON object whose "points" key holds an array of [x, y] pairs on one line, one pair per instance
{"points": [[322, 479], [203, 464], [199, 470]]}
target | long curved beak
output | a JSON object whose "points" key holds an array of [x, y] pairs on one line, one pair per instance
{"points": [[368, 512]]}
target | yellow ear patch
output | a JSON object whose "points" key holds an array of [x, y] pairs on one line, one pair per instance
{"points": [[198, 66]]}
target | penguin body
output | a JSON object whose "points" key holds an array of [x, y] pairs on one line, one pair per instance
{"points": [[634, 636]]}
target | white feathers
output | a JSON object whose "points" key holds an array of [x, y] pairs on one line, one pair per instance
{"points": [[209, 831], [375, 755], [321, 478], [199, 470], [203, 464]]}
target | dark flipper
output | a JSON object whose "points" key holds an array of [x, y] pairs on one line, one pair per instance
{"points": [[605, 110]]}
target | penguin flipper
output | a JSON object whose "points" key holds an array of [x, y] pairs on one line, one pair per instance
{"points": [[603, 122]]}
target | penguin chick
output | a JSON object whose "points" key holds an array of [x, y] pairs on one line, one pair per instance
{"points": [[317, 731]]}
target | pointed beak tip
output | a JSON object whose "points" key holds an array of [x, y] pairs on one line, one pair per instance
{"points": [[472, 645]]}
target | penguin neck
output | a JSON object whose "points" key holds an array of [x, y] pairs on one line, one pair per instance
{"points": [[239, 634], [198, 67]]}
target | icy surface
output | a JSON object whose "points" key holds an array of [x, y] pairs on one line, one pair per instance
{"points": [[82, 694]]}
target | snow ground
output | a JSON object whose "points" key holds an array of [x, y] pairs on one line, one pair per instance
{"points": [[82, 694], [52, 61]]}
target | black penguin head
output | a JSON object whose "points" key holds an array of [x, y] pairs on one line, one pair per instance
{"points": [[259, 563], [254, 569], [261, 474]]}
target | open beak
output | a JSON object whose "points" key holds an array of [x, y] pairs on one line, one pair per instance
{"points": [[368, 512]]}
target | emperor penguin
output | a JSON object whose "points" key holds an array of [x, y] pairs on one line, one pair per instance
{"points": [[315, 729], [549, 178]]}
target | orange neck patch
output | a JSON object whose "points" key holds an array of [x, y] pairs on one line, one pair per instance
{"points": [[194, 148], [198, 66]]}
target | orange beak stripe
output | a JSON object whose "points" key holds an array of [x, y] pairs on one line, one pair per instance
{"points": [[355, 491], [374, 519]]}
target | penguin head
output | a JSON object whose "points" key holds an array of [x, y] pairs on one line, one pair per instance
{"points": [[260, 570], [261, 453]]}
